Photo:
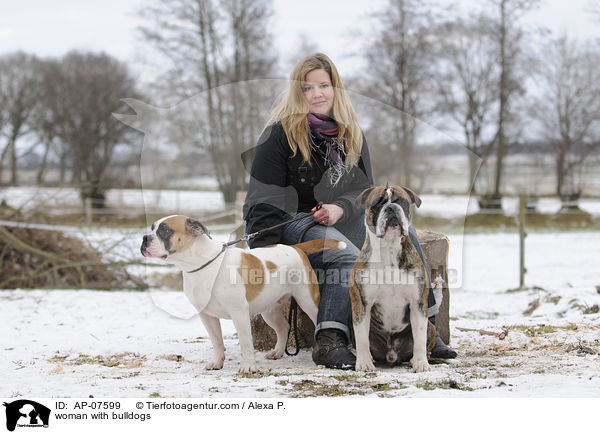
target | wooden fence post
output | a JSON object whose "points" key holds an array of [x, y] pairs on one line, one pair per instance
{"points": [[522, 235], [88, 210]]}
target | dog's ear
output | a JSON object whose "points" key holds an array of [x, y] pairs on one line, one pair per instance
{"points": [[194, 227], [413, 196], [362, 198]]}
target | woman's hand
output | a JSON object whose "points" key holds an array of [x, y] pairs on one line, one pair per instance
{"points": [[328, 215]]}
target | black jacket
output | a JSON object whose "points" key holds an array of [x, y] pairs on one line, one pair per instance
{"points": [[281, 184]]}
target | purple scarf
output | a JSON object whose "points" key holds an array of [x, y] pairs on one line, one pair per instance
{"points": [[328, 130], [328, 127]]}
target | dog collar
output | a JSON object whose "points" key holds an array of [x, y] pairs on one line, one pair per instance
{"points": [[209, 262]]}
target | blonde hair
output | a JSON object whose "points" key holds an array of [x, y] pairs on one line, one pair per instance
{"points": [[293, 109]]}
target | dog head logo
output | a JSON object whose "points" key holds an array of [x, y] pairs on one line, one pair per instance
{"points": [[26, 413]]}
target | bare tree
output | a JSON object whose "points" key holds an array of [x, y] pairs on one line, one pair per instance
{"points": [[252, 58], [90, 87], [400, 73], [209, 44], [569, 110], [505, 24], [43, 118], [19, 90], [466, 87]]}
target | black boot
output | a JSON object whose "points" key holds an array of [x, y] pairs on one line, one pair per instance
{"points": [[331, 350], [440, 350]]}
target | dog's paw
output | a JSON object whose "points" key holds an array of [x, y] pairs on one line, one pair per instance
{"points": [[274, 355], [214, 364], [247, 367], [419, 364], [364, 364]]}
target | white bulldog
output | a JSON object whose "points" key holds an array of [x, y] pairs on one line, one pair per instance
{"points": [[236, 284]]}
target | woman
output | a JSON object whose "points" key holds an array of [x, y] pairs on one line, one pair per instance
{"points": [[312, 150]]}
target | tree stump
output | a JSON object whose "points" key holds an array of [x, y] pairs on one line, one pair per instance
{"points": [[435, 246]]}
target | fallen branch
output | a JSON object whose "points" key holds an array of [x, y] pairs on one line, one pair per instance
{"points": [[78, 266], [500, 335], [20, 245]]}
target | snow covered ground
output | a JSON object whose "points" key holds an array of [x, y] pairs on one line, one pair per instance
{"points": [[66, 343]]}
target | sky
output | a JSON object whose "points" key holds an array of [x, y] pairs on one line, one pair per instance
{"points": [[52, 28]]}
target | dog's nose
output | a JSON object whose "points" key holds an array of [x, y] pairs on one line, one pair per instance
{"points": [[391, 357], [392, 218], [144, 245]]}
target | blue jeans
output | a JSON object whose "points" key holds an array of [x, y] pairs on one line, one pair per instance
{"points": [[333, 268]]}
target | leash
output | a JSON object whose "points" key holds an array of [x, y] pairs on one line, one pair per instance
{"points": [[247, 237], [293, 313], [270, 228], [427, 276], [293, 318]]}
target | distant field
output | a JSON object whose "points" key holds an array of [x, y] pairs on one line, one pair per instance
{"points": [[199, 203], [530, 174]]}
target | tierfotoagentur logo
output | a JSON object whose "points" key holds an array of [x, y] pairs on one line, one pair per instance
{"points": [[26, 414], [388, 275]]}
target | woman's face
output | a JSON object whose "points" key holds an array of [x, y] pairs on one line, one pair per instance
{"points": [[318, 91]]}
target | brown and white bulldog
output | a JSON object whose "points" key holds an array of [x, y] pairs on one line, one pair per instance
{"points": [[238, 283], [389, 284]]}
